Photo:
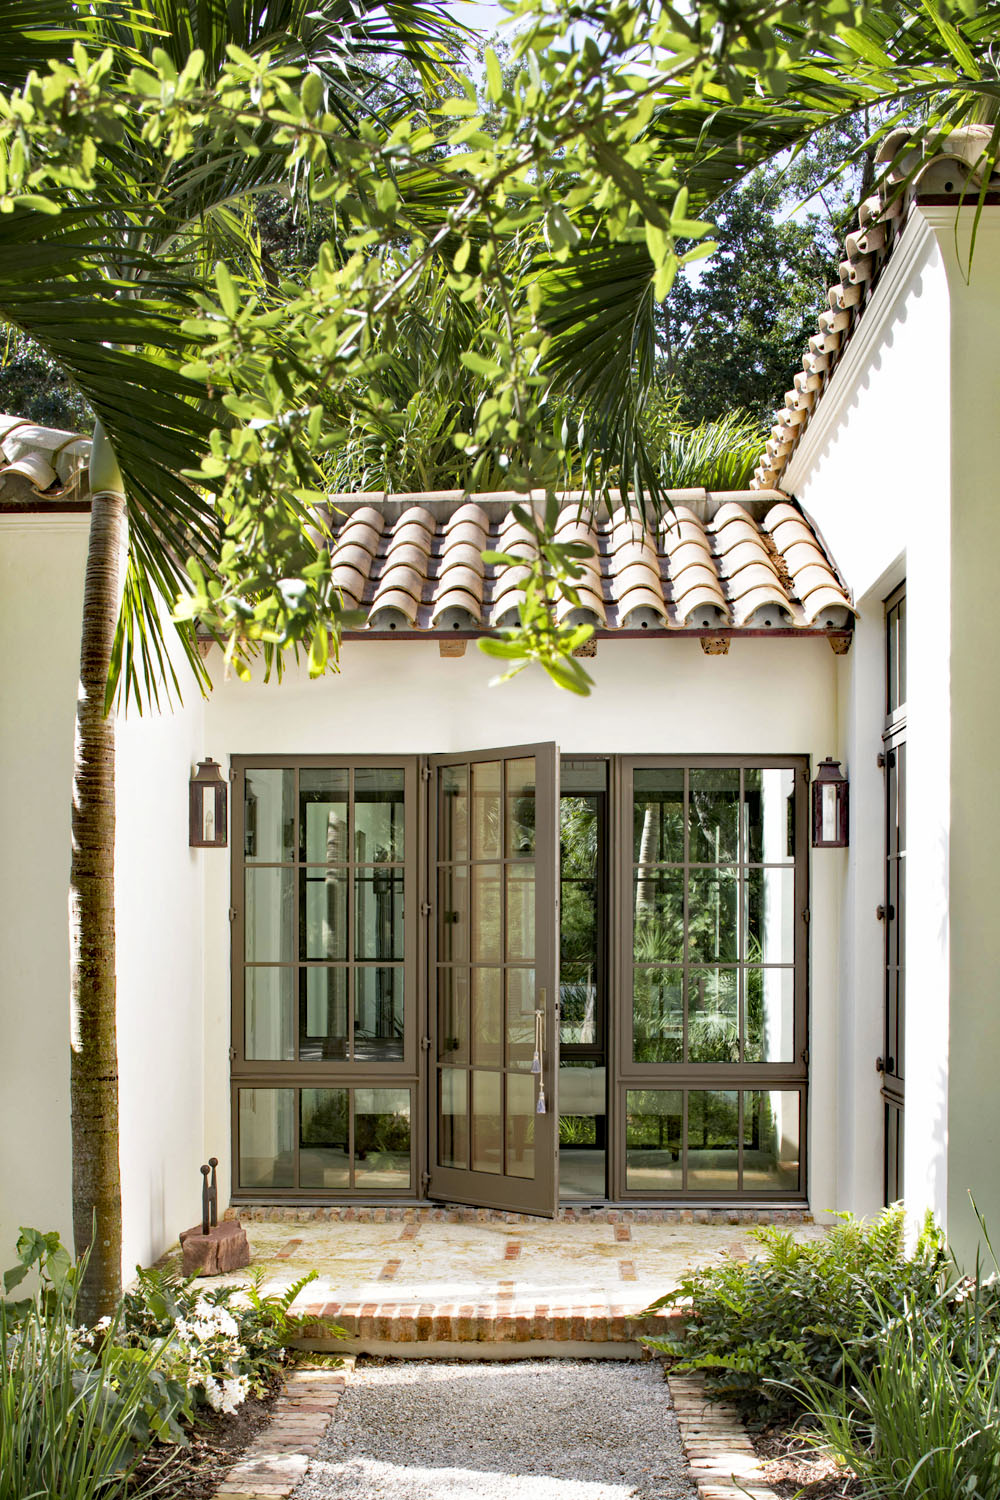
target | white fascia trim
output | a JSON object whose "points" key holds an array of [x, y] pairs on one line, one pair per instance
{"points": [[908, 251], [72, 522]]}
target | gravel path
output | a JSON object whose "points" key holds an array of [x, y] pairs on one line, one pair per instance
{"points": [[497, 1430]]}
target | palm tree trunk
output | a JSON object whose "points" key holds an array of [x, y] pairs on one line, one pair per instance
{"points": [[97, 1213]]}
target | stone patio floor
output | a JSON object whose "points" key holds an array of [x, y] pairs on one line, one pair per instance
{"points": [[414, 1282]]}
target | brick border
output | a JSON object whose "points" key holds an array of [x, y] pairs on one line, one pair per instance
{"points": [[261, 1213], [719, 1453], [278, 1457], [497, 1320]]}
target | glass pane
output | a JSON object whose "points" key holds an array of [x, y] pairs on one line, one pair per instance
{"points": [[521, 1093], [712, 1140], [770, 916], [323, 913], [267, 1138], [520, 809], [582, 1130], [378, 916], [771, 1141], [578, 837], [322, 1015], [653, 1140], [268, 921], [486, 914], [269, 816], [769, 815], [453, 914], [657, 1015], [323, 815], [713, 814], [382, 1138], [658, 816], [486, 810], [659, 916], [453, 1015], [487, 1123], [378, 816], [324, 1148], [378, 1014], [713, 1016], [578, 1004], [521, 913], [521, 1002], [453, 1118], [770, 1002], [487, 1017], [268, 1014], [712, 916], [453, 813]]}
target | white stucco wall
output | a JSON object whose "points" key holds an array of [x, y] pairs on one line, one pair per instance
{"points": [[41, 599], [658, 696], [899, 472]]}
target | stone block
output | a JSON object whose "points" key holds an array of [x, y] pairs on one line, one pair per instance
{"points": [[224, 1248]]}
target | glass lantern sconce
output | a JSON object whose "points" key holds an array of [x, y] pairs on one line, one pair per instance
{"points": [[829, 806], [208, 821]]}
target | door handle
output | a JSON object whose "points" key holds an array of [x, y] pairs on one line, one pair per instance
{"points": [[538, 1061]]}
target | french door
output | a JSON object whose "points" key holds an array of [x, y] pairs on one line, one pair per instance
{"points": [[494, 975]]}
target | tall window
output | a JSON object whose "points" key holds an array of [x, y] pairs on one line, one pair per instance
{"points": [[893, 1060], [713, 1038], [324, 954]]}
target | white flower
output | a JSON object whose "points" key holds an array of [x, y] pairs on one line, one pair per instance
{"points": [[226, 1395]]}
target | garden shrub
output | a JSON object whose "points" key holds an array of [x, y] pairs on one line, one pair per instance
{"points": [[763, 1328]]}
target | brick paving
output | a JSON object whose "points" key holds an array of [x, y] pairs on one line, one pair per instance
{"points": [[719, 1453], [277, 1459]]}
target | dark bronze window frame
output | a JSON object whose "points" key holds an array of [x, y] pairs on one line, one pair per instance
{"points": [[742, 1077], [893, 759], [250, 1073]]}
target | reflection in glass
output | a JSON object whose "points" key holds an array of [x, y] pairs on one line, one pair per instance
{"points": [[323, 913], [378, 914], [267, 1138], [713, 815], [712, 916], [322, 1015], [771, 1141], [378, 1014], [486, 914], [268, 922], [324, 1144], [659, 916], [520, 1125], [378, 815], [578, 1004], [770, 915], [486, 810], [453, 914], [453, 1118], [653, 1140], [453, 813], [453, 1015], [323, 815], [657, 1015], [487, 1017], [382, 1138], [770, 1002], [658, 815], [487, 1122], [582, 1129], [521, 1002], [520, 809], [521, 913], [268, 1021], [712, 1140], [269, 816], [769, 815], [713, 1016]]}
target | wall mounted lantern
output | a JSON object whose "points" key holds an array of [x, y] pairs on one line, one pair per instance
{"points": [[208, 822], [829, 806]]}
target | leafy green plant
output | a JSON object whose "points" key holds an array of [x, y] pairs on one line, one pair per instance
{"points": [[766, 1329]]}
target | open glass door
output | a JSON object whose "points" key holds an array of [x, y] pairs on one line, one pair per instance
{"points": [[494, 967]]}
